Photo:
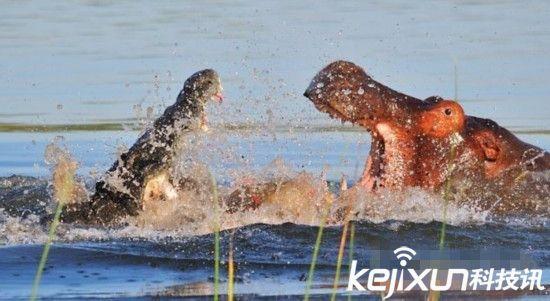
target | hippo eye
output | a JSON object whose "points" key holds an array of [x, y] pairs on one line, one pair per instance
{"points": [[448, 112]]}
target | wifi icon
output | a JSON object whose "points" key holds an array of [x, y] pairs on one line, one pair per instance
{"points": [[404, 255]]}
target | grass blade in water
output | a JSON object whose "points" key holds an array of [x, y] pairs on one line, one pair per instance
{"points": [[230, 271], [64, 191], [216, 239]]}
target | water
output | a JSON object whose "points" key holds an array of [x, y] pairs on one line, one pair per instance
{"points": [[89, 71], [98, 59], [271, 260]]}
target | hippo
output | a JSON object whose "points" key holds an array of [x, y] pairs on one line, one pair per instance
{"points": [[432, 142], [145, 166]]}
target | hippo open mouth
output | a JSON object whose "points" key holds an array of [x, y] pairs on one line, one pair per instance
{"points": [[376, 162], [413, 144], [401, 126]]}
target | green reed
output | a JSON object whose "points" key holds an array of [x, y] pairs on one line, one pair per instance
{"points": [[350, 250], [343, 187], [339, 260], [216, 238], [314, 260], [64, 188], [230, 270], [316, 248], [216, 264], [435, 295], [447, 195], [452, 155], [46, 251]]}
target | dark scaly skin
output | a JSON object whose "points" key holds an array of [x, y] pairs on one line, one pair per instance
{"points": [[501, 170], [151, 154]]}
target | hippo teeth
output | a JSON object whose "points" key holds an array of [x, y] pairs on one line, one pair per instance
{"points": [[333, 113], [377, 170]]}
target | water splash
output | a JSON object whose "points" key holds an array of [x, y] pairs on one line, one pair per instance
{"points": [[64, 191], [185, 207]]}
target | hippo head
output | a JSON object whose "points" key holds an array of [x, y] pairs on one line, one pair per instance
{"points": [[343, 90], [404, 129]]}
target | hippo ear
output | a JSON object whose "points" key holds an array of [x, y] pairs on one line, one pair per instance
{"points": [[489, 146]]}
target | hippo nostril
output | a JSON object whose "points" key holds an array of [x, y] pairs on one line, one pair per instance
{"points": [[448, 112]]}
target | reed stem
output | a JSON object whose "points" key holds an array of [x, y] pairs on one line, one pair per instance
{"points": [[339, 260], [315, 254], [46, 251], [64, 190], [351, 246], [230, 271], [435, 295], [454, 142], [343, 187], [216, 239], [447, 193]]}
